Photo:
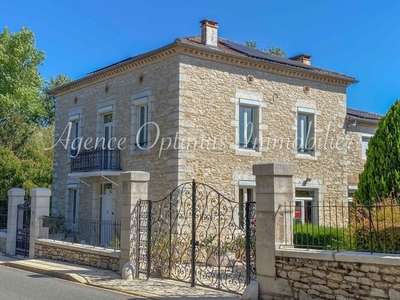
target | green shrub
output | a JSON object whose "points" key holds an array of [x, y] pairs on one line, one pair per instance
{"points": [[321, 237]]}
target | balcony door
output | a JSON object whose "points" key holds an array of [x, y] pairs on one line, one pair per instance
{"points": [[108, 134], [106, 214]]}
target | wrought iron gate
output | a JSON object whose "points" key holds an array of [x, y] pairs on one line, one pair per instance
{"points": [[23, 220], [195, 234]]}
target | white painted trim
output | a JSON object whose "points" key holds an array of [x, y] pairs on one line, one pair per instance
{"points": [[308, 186], [249, 102], [247, 183], [367, 135], [141, 101], [306, 110], [74, 118], [105, 109], [352, 187], [95, 173], [72, 186]]}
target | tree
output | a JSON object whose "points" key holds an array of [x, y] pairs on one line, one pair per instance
{"points": [[48, 100], [277, 51], [381, 175], [20, 80], [26, 115]]}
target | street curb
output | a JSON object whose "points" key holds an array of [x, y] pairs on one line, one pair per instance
{"points": [[47, 272], [71, 277]]}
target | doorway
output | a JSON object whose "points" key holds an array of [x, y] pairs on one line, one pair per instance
{"points": [[106, 214]]}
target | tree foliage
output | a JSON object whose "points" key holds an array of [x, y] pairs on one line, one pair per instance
{"points": [[20, 80], [277, 51], [381, 175], [48, 100], [26, 115]]}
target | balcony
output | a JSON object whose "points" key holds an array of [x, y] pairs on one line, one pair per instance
{"points": [[95, 160]]}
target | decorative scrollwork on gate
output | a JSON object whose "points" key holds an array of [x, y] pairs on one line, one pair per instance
{"points": [[196, 234]]}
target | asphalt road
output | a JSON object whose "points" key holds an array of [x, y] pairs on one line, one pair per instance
{"points": [[21, 285]]}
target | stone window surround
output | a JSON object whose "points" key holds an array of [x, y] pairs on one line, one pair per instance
{"points": [[105, 106], [316, 188], [365, 136], [138, 99], [307, 107], [72, 185], [74, 115], [253, 99]]}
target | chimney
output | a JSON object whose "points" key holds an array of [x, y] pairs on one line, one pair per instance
{"points": [[209, 33], [303, 58]]}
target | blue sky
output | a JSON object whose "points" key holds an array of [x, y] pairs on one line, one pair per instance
{"points": [[357, 38]]}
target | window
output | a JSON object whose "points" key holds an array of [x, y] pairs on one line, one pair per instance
{"points": [[142, 125], [364, 145], [107, 129], [141, 121], [248, 126], [245, 194], [73, 207], [75, 134], [305, 132], [305, 209]]}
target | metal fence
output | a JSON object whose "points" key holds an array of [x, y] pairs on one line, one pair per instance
{"points": [[373, 228], [95, 232]]}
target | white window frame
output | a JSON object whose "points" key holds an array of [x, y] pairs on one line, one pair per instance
{"points": [[141, 100], [73, 203], [304, 135], [254, 124], [314, 206], [75, 118], [364, 146], [245, 186]]}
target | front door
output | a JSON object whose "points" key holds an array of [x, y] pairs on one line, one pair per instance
{"points": [[106, 217]]}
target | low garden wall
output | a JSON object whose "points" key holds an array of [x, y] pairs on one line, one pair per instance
{"points": [[3, 241], [78, 253], [335, 275]]}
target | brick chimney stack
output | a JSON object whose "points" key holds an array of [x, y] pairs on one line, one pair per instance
{"points": [[209, 33], [303, 58]]}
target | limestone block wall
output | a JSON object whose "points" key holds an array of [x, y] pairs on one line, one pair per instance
{"points": [[329, 275], [3, 241], [76, 253], [209, 98], [159, 81]]}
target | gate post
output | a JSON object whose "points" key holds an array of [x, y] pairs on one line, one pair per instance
{"points": [[15, 197], [40, 206], [134, 188], [274, 187]]}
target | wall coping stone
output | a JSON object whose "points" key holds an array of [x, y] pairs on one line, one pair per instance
{"points": [[80, 247], [354, 257]]}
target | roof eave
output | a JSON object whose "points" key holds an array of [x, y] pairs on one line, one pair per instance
{"points": [[116, 66], [348, 79]]}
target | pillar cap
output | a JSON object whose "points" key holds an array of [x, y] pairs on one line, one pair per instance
{"points": [[135, 176], [16, 192], [40, 192], [274, 169]]}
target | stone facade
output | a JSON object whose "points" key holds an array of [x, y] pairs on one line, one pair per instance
{"points": [[326, 277], [193, 98], [79, 254]]}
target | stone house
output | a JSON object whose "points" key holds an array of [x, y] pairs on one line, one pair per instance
{"points": [[205, 108]]}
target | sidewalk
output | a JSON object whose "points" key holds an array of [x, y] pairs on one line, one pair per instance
{"points": [[154, 288]]}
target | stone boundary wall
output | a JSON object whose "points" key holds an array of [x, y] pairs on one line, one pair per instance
{"points": [[330, 275], [78, 253], [3, 241]]}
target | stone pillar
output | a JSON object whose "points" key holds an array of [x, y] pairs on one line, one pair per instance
{"points": [[274, 188], [15, 197], [40, 206], [134, 188]]}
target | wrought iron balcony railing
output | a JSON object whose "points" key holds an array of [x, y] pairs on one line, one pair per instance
{"points": [[95, 160]]}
